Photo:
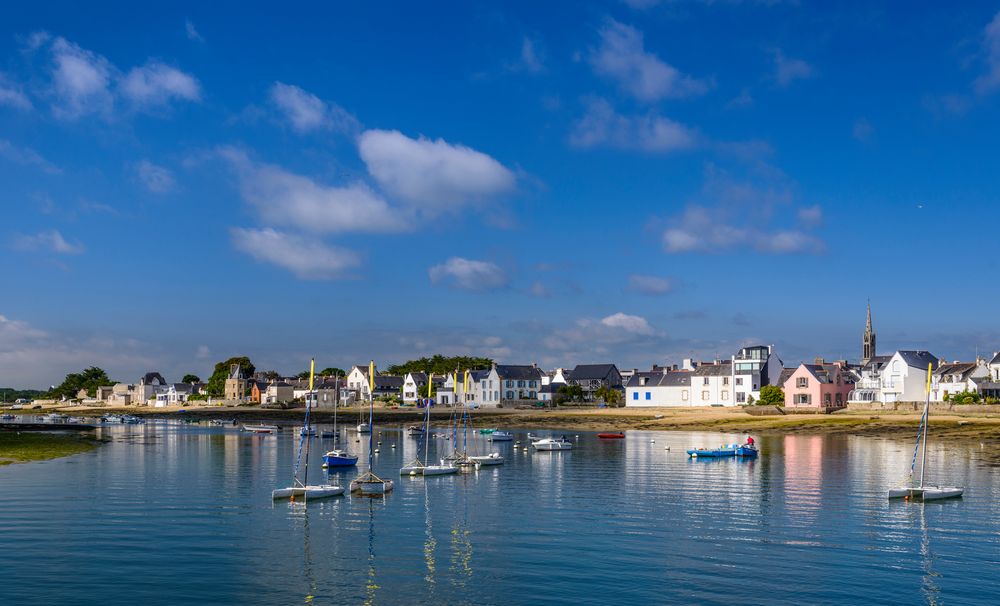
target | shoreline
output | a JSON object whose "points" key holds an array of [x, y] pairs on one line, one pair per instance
{"points": [[945, 426]]}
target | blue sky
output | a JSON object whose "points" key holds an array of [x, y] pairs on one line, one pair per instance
{"points": [[633, 181]]}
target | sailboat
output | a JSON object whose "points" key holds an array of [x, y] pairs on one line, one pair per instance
{"points": [[493, 458], [921, 491], [303, 488], [338, 457], [368, 483], [417, 467]]}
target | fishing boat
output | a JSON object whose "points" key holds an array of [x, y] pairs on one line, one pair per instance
{"points": [[302, 487], [500, 435], [260, 428], [368, 483], [747, 451], [922, 491], [338, 457], [611, 436], [494, 458], [552, 444]]}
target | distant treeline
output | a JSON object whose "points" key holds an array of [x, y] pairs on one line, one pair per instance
{"points": [[9, 394], [440, 365]]}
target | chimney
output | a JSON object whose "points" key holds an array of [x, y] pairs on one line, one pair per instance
{"points": [[820, 361]]}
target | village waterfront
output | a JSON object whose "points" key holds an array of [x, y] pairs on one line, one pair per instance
{"points": [[169, 512]]}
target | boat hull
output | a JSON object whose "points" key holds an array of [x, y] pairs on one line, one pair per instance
{"points": [[500, 436], [927, 493], [548, 445], [371, 488], [488, 460], [339, 461], [439, 470], [308, 492], [364, 428], [743, 452], [611, 436]]}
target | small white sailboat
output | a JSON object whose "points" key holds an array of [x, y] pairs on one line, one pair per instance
{"points": [[416, 467], [500, 436], [364, 427], [494, 458], [924, 492], [261, 428], [303, 488], [368, 483], [552, 444]]}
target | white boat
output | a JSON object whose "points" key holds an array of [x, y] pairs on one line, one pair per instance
{"points": [[552, 444], [500, 436], [55, 417], [307, 431], [368, 483], [114, 419], [924, 492], [415, 430], [444, 468], [364, 428], [310, 492], [494, 458], [261, 428], [374, 486]]}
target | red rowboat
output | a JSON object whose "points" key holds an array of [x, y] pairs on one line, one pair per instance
{"points": [[611, 436]]}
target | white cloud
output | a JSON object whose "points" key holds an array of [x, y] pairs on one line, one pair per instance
{"points": [[811, 215], [621, 57], [531, 60], [285, 198], [155, 178], [48, 241], [307, 258], [202, 352], [191, 32], [602, 126], [306, 112], [466, 274], [27, 157], [80, 81], [787, 70], [649, 285], [12, 95], [636, 325], [156, 85], [990, 81], [703, 229], [434, 174]]}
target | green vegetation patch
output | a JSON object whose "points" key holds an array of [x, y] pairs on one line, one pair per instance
{"points": [[23, 447]]}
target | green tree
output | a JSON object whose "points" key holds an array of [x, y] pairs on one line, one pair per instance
{"points": [[965, 397], [608, 395], [440, 365], [332, 371], [771, 395], [89, 379], [273, 375], [569, 393], [191, 379], [217, 382]]}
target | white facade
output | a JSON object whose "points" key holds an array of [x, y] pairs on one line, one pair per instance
{"points": [[712, 385], [659, 390], [753, 367], [902, 378], [414, 387], [357, 381], [487, 389], [950, 379]]}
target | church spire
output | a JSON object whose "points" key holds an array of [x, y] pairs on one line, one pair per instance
{"points": [[868, 340]]}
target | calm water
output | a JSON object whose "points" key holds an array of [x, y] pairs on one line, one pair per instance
{"points": [[170, 514]]}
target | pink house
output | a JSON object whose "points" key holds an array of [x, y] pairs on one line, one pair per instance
{"points": [[818, 386]]}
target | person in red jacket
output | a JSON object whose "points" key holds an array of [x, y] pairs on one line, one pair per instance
{"points": [[750, 440]]}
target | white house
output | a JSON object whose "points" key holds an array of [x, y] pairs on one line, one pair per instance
{"points": [[357, 382], [955, 377], [754, 367], [556, 376], [175, 395], [712, 384], [994, 367], [900, 378], [666, 388], [149, 386], [414, 387]]}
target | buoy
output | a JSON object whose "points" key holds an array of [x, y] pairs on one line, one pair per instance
{"points": [[376, 451], [652, 441], [393, 445]]}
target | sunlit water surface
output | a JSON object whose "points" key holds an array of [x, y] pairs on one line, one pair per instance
{"points": [[172, 514]]}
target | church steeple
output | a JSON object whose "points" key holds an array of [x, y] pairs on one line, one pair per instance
{"points": [[868, 341]]}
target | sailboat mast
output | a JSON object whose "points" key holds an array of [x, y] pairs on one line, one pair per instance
{"points": [[926, 422], [427, 425], [305, 430]]}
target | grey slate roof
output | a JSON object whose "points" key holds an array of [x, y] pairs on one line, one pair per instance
{"points": [[786, 373], [996, 359], [876, 363], [661, 379], [918, 359], [527, 373], [586, 372], [384, 382], [149, 377], [714, 370], [963, 369]]}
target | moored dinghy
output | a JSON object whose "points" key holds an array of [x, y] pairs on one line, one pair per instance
{"points": [[494, 458]]}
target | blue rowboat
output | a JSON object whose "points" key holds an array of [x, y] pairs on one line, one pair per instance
{"points": [[339, 458], [729, 450]]}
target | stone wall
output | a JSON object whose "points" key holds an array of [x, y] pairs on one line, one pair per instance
{"points": [[940, 407]]}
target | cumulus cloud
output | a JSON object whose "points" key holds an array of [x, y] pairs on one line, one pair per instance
{"points": [[81, 81], [636, 325], [787, 69], [12, 95], [307, 258], [621, 57], [27, 157], [48, 241], [192, 32], [156, 179], [467, 274], [600, 336], [649, 285], [285, 198], [734, 214], [434, 174], [156, 85], [990, 81], [305, 112], [602, 126]]}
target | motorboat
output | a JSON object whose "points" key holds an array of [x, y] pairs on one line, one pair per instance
{"points": [[113, 419], [500, 435], [611, 436], [494, 458], [364, 428], [55, 417], [415, 431], [261, 428], [131, 420], [552, 444], [339, 458], [746, 451], [487, 430]]}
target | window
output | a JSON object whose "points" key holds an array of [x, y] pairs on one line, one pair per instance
{"points": [[704, 396], [802, 382], [803, 398], [725, 380], [649, 396], [520, 383], [725, 394], [739, 380], [684, 395], [510, 395], [840, 398], [826, 399], [635, 395], [705, 381], [741, 397]]}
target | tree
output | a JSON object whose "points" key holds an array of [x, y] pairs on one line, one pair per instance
{"points": [[272, 375], [608, 395], [191, 379], [440, 365], [302, 375], [89, 379], [771, 395], [217, 382], [332, 371], [965, 397], [567, 393]]}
